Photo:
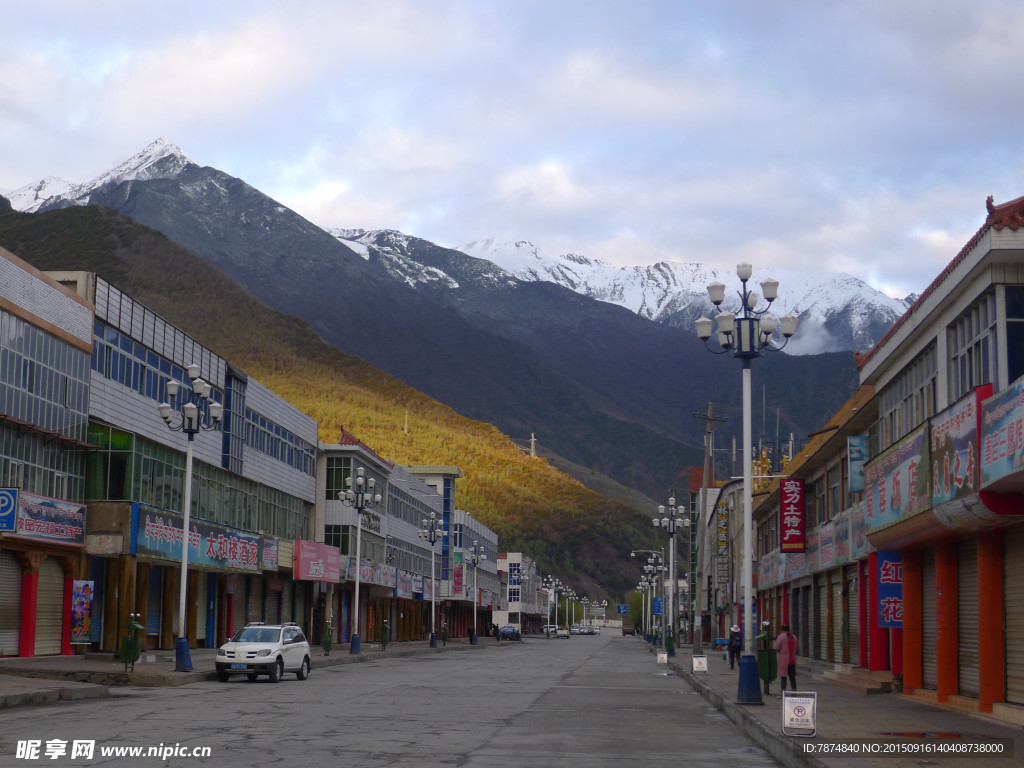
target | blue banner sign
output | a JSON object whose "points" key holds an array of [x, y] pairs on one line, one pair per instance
{"points": [[890, 589]]}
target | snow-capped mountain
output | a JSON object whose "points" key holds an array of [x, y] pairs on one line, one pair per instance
{"points": [[837, 311], [160, 160]]}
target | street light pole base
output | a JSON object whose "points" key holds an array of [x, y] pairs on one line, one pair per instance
{"points": [[354, 647], [433, 639], [182, 657], [750, 682]]}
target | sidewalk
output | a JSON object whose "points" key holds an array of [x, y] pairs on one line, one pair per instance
{"points": [[50, 679], [891, 718]]}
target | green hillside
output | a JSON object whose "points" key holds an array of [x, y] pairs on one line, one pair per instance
{"points": [[579, 535]]}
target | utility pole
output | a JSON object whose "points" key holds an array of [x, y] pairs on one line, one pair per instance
{"points": [[697, 589]]}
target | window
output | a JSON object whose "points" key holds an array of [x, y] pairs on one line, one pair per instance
{"points": [[972, 347], [835, 503], [906, 401], [1014, 332]]}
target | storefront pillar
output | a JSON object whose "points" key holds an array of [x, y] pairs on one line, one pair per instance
{"points": [[913, 622], [946, 614], [30, 561], [991, 639]]}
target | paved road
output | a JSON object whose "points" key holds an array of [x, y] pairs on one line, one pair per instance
{"points": [[588, 701]]}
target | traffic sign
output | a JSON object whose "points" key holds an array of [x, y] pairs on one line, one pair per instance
{"points": [[8, 509]]}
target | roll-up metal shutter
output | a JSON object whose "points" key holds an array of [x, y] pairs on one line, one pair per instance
{"points": [[967, 618], [286, 600], [1013, 597], [838, 619], [238, 620], [273, 606], [10, 604], [929, 628], [202, 607], [821, 651], [256, 586], [50, 608], [853, 614]]}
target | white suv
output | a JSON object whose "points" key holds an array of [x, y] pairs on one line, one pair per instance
{"points": [[264, 649]]}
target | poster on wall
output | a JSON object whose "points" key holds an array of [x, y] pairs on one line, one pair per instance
{"points": [[890, 589], [1002, 427], [856, 455], [81, 611], [954, 448]]}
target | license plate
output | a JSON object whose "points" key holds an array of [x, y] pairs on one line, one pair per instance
{"points": [[239, 666]]}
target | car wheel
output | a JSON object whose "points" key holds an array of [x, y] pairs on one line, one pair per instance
{"points": [[303, 671], [276, 671], [222, 676]]}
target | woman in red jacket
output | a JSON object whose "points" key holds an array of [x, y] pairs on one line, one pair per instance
{"points": [[785, 647]]}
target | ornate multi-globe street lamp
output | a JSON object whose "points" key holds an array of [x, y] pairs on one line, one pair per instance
{"points": [[198, 413], [747, 336], [476, 554], [671, 522], [432, 530], [360, 496]]}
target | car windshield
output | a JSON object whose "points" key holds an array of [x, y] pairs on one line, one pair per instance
{"points": [[256, 635]]}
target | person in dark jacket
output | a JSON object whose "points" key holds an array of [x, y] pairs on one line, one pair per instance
{"points": [[735, 645]]}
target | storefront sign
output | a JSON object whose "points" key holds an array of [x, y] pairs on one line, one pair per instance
{"points": [[82, 593], [157, 535], [890, 589], [317, 562], [403, 584], [954, 448], [457, 573], [50, 520], [1002, 435], [791, 516], [856, 454], [270, 550], [898, 484]]}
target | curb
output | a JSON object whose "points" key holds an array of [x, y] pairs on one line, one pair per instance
{"points": [[784, 750]]}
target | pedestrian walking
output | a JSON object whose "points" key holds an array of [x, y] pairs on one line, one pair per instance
{"points": [[785, 646], [735, 645], [444, 634]]}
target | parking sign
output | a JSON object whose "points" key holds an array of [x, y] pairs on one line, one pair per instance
{"points": [[8, 509]]}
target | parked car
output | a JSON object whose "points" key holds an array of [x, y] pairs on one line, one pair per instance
{"points": [[264, 649], [509, 632], [549, 629]]}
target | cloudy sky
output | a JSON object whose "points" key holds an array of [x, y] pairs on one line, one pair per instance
{"points": [[859, 136]]}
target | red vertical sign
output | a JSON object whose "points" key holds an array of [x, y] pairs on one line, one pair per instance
{"points": [[791, 516]]}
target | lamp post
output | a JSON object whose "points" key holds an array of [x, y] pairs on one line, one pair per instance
{"points": [[585, 602], [198, 413], [476, 554], [656, 556], [553, 585], [361, 497], [746, 337], [432, 531], [671, 523]]}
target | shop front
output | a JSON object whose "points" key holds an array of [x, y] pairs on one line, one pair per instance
{"points": [[41, 543]]}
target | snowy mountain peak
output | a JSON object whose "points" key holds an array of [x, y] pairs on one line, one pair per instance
{"points": [[162, 159]]}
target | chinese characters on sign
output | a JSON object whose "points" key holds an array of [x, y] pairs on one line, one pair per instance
{"points": [[890, 589], [1002, 453], [791, 516]]}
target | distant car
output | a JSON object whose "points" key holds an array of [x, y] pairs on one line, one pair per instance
{"points": [[264, 649], [509, 632], [549, 628], [562, 632], [576, 629]]}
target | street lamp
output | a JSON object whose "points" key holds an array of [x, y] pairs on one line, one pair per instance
{"points": [[198, 413], [360, 498], [476, 554], [657, 556], [670, 523], [585, 602], [432, 530], [552, 585], [747, 337]]}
